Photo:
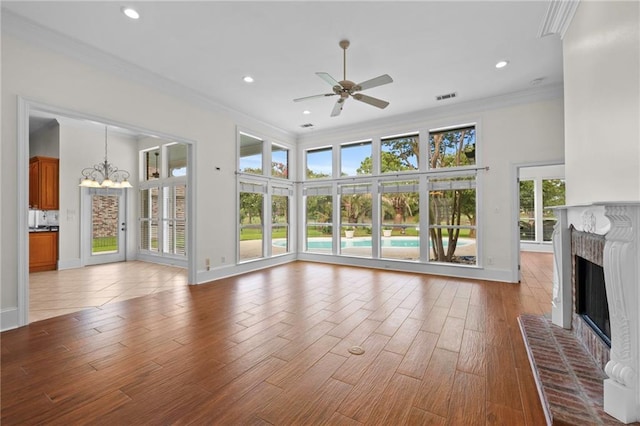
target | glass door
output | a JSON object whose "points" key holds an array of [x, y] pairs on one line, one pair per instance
{"points": [[104, 213]]}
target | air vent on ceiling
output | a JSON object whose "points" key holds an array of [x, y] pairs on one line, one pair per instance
{"points": [[306, 125], [447, 96]]}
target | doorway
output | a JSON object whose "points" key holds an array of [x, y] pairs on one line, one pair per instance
{"points": [[70, 214], [538, 187], [104, 224]]}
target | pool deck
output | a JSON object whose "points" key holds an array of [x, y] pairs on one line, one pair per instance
{"points": [[252, 249]]}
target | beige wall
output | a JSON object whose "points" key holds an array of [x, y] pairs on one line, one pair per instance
{"points": [[602, 102]]}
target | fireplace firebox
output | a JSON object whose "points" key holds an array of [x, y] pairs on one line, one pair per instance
{"points": [[591, 297]]}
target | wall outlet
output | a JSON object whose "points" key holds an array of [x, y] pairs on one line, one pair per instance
{"points": [[490, 260], [223, 259], [207, 263]]}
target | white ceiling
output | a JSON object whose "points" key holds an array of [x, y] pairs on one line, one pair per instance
{"points": [[428, 48]]}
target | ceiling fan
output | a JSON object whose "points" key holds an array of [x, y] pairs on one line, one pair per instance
{"points": [[346, 88]]}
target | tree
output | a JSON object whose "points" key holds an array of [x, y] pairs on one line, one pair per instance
{"points": [[279, 170], [400, 155], [356, 208], [250, 207], [447, 149]]}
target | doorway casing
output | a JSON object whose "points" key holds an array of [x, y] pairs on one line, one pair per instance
{"points": [[25, 107]]}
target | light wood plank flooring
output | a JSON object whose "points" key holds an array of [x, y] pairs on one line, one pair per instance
{"points": [[54, 293], [271, 347]]}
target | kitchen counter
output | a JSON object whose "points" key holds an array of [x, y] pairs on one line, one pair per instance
{"points": [[44, 229]]}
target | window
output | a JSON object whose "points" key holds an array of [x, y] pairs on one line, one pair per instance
{"points": [[399, 154], [553, 194], [152, 164], [279, 161], [149, 210], [250, 154], [319, 163], [355, 220], [280, 221], [400, 220], [452, 147], [318, 219], [163, 201], [177, 160], [527, 211], [452, 220], [355, 159], [251, 220], [536, 217], [174, 220], [264, 198]]}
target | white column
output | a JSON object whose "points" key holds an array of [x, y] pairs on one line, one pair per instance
{"points": [[562, 297]]}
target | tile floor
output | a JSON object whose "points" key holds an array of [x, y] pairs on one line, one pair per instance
{"points": [[55, 293]]}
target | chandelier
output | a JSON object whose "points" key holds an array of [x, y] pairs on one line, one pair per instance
{"points": [[105, 175]]}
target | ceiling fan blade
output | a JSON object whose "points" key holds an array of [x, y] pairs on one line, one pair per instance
{"points": [[337, 108], [313, 97], [374, 82], [326, 77], [370, 100]]}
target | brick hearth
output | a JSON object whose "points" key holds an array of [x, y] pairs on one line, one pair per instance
{"points": [[569, 379]]}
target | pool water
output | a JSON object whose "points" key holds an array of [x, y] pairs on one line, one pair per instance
{"points": [[365, 242]]}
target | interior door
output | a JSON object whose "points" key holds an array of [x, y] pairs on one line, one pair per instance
{"points": [[104, 213]]}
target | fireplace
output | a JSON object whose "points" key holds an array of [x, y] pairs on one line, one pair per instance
{"points": [[606, 235], [591, 298], [588, 294]]}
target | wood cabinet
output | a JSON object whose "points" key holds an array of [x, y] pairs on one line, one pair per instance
{"points": [[43, 251], [43, 183]]}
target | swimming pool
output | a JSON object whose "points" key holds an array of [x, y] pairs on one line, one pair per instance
{"points": [[365, 242]]}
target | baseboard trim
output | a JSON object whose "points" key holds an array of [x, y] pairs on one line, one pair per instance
{"points": [[203, 277], [8, 319], [69, 264]]}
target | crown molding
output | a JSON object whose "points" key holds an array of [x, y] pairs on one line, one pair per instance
{"points": [[42, 37], [417, 119], [558, 17]]}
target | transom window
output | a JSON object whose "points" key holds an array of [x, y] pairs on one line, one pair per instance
{"points": [[399, 154], [319, 163]]}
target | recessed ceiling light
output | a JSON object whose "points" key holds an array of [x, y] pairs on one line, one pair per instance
{"points": [[131, 13], [502, 64], [247, 79], [306, 112]]}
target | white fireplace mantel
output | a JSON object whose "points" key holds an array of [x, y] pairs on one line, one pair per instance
{"points": [[620, 224]]}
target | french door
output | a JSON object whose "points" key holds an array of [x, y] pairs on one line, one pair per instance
{"points": [[104, 229]]}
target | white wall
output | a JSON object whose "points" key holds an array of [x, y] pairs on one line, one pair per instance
{"points": [[57, 80], [602, 103], [509, 133], [45, 142], [82, 145]]}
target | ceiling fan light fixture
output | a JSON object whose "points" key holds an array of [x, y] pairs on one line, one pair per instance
{"points": [[346, 88], [501, 64], [306, 112], [248, 79]]}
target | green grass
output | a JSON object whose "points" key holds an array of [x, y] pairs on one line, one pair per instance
{"points": [[256, 233], [102, 244], [247, 234]]}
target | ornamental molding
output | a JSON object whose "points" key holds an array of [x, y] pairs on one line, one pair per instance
{"points": [[558, 17]]}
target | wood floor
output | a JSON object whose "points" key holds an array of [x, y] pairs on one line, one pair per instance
{"points": [[271, 347]]}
